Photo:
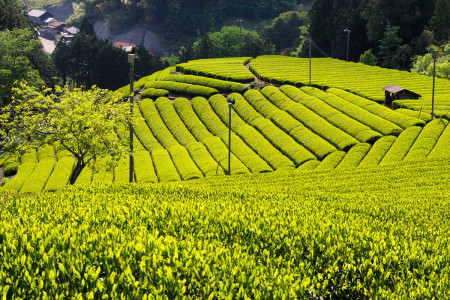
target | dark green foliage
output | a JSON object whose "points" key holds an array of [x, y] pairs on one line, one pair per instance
{"points": [[440, 22], [205, 48], [368, 58], [388, 47]]}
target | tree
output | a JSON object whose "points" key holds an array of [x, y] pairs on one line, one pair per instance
{"points": [[440, 22], [186, 53], [368, 58], [60, 58], [205, 48], [388, 47], [84, 123], [11, 16], [15, 47], [424, 64], [256, 47]]}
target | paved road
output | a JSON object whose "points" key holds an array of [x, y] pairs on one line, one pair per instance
{"points": [[49, 45]]}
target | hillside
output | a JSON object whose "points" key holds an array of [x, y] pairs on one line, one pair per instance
{"points": [[332, 195], [289, 126]]}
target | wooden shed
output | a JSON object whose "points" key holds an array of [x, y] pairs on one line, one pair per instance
{"points": [[395, 92]]}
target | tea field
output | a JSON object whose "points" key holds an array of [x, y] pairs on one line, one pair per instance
{"points": [[181, 127], [332, 193]]}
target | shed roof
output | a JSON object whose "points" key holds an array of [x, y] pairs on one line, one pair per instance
{"points": [[55, 24], [37, 13], [392, 88]]}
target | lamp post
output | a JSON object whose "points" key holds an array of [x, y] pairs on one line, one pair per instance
{"points": [[434, 53], [131, 58], [230, 103], [348, 39], [310, 41], [240, 35]]}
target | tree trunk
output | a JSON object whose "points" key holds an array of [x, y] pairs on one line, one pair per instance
{"points": [[79, 166]]}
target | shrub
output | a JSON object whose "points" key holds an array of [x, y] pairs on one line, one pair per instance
{"points": [[401, 145], [309, 118], [251, 160], [426, 140], [153, 93], [442, 147], [356, 129], [331, 161], [378, 151], [354, 156], [250, 135]]}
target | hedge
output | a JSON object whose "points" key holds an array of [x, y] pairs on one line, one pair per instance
{"points": [[384, 112], [197, 151], [309, 165], [442, 147], [164, 166], [143, 167], [35, 183], [309, 118], [356, 112], [251, 136], [294, 128], [153, 93], [24, 171], [184, 163], [181, 159], [378, 151], [331, 161], [361, 132], [221, 85], [354, 156], [401, 145], [61, 174], [415, 114], [280, 139], [182, 88], [426, 140], [214, 145], [251, 160], [85, 175]]}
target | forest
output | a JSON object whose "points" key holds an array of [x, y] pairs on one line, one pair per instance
{"points": [[392, 34]]}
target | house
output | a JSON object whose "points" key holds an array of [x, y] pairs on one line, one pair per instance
{"points": [[40, 17], [69, 32], [126, 46]]}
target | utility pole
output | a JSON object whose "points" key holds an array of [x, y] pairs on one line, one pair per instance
{"points": [[310, 41], [131, 62], [240, 35], [348, 39], [230, 103], [434, 53]]}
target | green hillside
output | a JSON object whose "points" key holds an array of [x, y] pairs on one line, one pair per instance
{"points": [[287, 126], [332, 195]]}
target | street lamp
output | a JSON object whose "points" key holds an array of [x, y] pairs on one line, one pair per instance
{"points": [[434, 53], [230, 103], [131, 58], [348, 39], [240, 35]]}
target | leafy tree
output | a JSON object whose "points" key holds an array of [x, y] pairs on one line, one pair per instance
{"points": [[84, 123], [11, 17], [111, 67], [205, 48], [15, 47], [424, 64], [87, 28], [440, 22], [186, 53], [255, 47], [60, 57], [368, 58], [388, 46], [147, 63]]}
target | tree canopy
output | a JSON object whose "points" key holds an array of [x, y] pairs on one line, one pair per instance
{"points": [[85, 123]]}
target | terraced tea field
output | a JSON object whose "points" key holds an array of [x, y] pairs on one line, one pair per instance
{"points": [[274, 128], [333, 195]]}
